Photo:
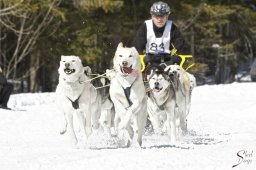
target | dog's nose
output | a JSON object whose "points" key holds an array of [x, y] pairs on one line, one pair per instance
{"points": [[174, 72], [125, 63], [156, 84], [67, 64]]}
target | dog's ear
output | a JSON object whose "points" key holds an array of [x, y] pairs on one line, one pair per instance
{"points": [[135, 52], [77, 58], [120, 45], [87, 70]]}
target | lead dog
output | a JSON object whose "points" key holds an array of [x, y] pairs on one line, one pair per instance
{"points": [[127, 92], [76, 96]]}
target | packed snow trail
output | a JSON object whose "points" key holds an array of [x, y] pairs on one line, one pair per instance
{"points": [[221, 123]]}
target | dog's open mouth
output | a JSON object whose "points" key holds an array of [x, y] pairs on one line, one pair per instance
{"points": [[157, 89], [126, 70], [69, 71]]}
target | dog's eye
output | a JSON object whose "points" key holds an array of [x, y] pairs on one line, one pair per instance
{"points": [[120, 56], [130, 56], [64, 61], [73, 61]]}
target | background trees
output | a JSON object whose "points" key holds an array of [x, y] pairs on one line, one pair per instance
{"points": [[22, 24], [35, 33]]}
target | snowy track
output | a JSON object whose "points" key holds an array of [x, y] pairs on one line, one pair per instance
{"points": [[222, 122]]}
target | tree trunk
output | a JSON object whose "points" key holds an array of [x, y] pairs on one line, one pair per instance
{"points": [[34, 65]]}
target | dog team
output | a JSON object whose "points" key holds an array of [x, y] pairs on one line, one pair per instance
{"points": [[124, 106], [138, 89]]}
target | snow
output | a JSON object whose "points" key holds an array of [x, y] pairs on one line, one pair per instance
{"points": [[222, 125]]}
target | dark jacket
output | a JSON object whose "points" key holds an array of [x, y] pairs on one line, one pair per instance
{"points": [[176, 39]]}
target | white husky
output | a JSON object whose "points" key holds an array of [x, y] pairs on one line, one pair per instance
{"points": [[127, 92], [76, 96]]}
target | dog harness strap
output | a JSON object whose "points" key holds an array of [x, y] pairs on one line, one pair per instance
{"points": [[127, 92], [161, 107], [75, 103]]}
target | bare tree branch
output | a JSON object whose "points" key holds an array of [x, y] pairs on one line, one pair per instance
{"points": [[28, 25], [9, 10]]}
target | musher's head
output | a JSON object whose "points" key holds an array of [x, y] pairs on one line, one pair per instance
{"points": [[160, 12]]}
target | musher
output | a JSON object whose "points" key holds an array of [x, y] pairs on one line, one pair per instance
{"points": [[159, 40]]}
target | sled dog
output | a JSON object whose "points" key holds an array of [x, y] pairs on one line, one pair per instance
{"points": [[76, 96], [107, 108], [128, 95], [185, 83], [162, 104]]}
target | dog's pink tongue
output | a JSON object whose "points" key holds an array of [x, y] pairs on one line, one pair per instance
{"points": [[126, 70]]}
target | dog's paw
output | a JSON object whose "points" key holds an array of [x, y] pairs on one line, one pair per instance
{"points": [[88, 131], [135, 144], [124, 138], [113, 132], [63, 130]]}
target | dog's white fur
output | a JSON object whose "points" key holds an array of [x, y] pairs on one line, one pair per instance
{"points": [[73, 86], [127, 114]]}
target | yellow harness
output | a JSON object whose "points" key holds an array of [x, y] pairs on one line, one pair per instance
{"points": [[183, 59], [173, 52]]}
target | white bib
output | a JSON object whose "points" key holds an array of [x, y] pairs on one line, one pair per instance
{"points": [[158, 45]]}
